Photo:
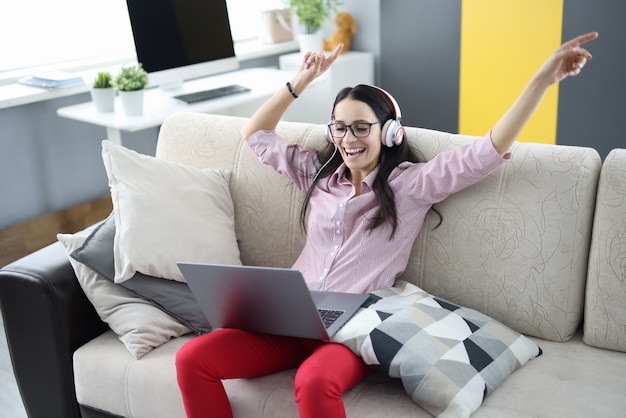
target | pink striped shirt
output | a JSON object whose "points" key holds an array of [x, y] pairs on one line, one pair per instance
{"points": [[340, 253]]}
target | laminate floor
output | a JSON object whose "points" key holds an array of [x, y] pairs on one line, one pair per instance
{"points": [[11, 405]]}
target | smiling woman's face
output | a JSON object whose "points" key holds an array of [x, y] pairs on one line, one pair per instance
{"points": [[361, 155]]}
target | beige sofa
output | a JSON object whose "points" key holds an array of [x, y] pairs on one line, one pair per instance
{"points": [[538, 245]]}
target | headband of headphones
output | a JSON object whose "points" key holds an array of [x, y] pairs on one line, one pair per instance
{"points": [[392, 130], [392, 102]]}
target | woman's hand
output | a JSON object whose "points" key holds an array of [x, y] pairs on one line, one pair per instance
{"points": [[314, 64], [566, 61]]}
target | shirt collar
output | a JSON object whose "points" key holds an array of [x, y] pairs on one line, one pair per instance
{"points": [[339, 176]]}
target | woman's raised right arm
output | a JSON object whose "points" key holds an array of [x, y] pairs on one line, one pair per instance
{"points": [[270, 113]]}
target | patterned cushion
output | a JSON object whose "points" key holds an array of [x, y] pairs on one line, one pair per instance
{"points": [[448, 357]]}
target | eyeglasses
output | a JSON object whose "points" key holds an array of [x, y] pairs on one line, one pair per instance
{"points": [[358, 129]]}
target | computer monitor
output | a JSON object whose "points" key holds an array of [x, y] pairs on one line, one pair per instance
{"points": [[178, 40]]}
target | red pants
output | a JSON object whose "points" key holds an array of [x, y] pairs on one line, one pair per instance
{"points": [[325, 370]]}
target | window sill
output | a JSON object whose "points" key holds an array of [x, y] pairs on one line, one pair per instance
{"points": [[16, 94]]}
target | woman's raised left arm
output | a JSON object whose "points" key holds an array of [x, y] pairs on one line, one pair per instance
{"points": [[566, 61]]}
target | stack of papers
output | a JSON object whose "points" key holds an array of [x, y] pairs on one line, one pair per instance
{"points": [[52, 80]]}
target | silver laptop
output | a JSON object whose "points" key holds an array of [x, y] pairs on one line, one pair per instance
{"points": [[267, 300]]}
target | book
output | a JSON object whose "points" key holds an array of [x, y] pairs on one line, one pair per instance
{"points": [[52, 80]]}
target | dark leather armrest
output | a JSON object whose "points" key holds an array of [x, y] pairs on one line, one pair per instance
{"points": [[46, 318]]}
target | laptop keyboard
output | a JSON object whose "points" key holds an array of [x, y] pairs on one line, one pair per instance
{"points": [[203, 95], [329, 316]]}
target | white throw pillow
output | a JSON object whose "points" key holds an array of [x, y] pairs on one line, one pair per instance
{"points": [[167, 212], [140, 325]]}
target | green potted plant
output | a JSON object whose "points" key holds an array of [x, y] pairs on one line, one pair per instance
{"points": [[130, 83], [102, 92], [312, 14]]}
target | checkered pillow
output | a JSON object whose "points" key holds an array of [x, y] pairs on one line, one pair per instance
{"points": [[448, 357]]}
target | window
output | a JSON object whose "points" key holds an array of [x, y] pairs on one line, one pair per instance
{"points": [[42, 35], [245, 16], [63, 33]]}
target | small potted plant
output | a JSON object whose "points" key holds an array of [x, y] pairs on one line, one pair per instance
{"points": [[312, 14], [130, 83], [102, 92]]}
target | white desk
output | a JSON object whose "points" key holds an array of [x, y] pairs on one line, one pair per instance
{"points": [[159, 104]]}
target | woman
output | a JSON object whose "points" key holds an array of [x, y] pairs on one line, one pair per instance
{"points": [[367, 202]]}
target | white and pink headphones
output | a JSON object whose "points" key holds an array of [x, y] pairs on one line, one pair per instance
{"points": [[392, 130]]}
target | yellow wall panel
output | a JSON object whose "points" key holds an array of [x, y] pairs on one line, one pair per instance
{"points": [[503, 42]]}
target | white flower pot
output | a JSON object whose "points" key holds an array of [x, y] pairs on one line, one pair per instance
{"points": [[103, 99], [311, 42], [132, 102]]}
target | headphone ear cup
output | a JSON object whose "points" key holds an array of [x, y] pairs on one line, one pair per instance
{"points": [[384, 132], [392, 133], [329, 136], [399, 135]]}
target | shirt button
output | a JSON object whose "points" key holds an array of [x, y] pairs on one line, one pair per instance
{"points": [[338, 231], [338, 223]]}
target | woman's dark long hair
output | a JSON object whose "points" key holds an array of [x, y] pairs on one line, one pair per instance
{"points": [[390, 157]]}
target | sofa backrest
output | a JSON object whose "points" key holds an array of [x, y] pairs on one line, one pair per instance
{"points": [[515, 246], [605, 302]]}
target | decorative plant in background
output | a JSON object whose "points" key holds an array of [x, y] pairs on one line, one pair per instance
{"points": [[103, 93], [131, 78], [102, 80], [313, 13]]}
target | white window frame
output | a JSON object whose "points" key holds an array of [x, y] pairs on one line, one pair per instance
{"points": [[75, 35]]}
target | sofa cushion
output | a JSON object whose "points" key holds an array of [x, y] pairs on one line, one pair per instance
{"points": [[605, 306], [171, 296], [167, 212], [557, 384], [448, 357], [137, 323], [515, 245], [267, 206], [147, 388]]}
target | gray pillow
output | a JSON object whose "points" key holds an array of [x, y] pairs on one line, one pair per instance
{"points": [[171, 296]]}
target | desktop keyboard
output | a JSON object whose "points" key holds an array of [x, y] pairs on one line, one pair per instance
{"points": [[329, 316], [200, 96]]}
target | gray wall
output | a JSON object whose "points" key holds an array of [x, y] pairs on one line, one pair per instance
{"points": [[591, 108], [420, 44], [48, 163]]}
